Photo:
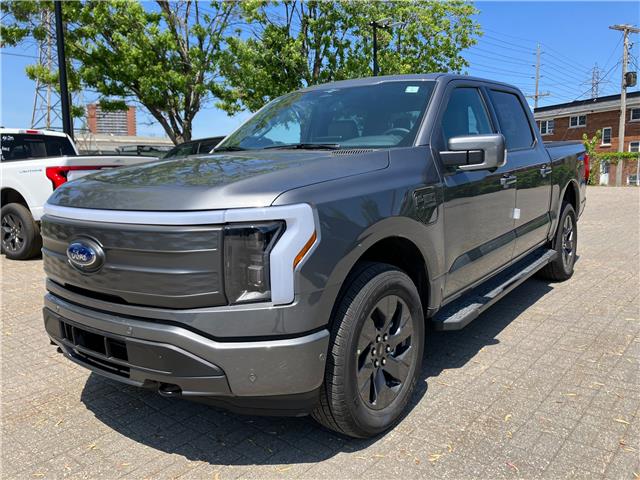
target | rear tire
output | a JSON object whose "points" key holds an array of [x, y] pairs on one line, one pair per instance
{"points": [[20, 234], [375, 353], [565, 243]]}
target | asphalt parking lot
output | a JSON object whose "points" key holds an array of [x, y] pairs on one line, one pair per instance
{"points": [[546, 384]]}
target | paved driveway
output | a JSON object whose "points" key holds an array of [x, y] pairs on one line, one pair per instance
{"points": [[544, 384]]}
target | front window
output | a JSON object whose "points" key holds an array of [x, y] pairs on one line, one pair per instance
{"points": [[635, 114], [606, 136], [634, 146], [546, 127], [383, 115]]}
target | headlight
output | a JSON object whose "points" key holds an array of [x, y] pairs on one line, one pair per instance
{"points": [[247, 248]]}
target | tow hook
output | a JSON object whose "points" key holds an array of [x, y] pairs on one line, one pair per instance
{"points": [[169, 390]]}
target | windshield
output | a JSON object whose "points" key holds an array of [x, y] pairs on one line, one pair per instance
{"points": [[384, 115]]}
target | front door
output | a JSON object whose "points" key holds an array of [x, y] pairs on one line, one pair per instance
{"points": [[531, 164], [478, 205]]}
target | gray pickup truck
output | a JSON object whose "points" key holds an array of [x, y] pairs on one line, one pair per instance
{"points": [[297, 268]]}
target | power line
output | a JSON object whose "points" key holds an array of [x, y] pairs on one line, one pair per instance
{"points": [[19, 55]]}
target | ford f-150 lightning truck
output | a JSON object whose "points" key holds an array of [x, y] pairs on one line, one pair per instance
{"points": [[298, 267]]}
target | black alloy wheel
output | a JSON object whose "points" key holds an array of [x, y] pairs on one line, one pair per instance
{"points": [[568, 242], [565, 243], [385, 354], [20, 233], [12, 233], [375, 352]]}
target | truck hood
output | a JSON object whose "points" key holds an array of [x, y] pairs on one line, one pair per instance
{"points": [[218, 181]]}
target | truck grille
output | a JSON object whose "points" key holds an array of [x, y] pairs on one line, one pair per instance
{"points": [[160, 266]]}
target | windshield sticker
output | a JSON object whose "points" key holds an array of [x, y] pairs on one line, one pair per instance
{"points": [[412, 89]]}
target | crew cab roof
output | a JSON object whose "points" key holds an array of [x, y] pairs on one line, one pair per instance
{"points": [[358, 82], [35, 131]]}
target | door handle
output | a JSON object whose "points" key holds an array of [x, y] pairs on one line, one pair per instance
{"points": [[507, 180], [545, 170]]}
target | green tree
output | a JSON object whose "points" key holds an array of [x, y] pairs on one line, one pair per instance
{"points": [[590, 145], [164, 56], [295, 43]]}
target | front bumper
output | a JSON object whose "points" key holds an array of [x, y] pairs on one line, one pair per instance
{"points": [[149, 354]]}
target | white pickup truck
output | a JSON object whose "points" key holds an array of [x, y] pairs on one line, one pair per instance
{"points": [[33, 164]]}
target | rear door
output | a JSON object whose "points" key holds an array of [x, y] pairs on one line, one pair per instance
{"points": [[478, 205], [531, 166]]}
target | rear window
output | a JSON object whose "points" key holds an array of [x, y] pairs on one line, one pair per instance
{"points": [[20, 146], [514, 122]]}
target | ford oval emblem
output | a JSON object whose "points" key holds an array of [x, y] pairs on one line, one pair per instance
{"points": [[85, 255]]}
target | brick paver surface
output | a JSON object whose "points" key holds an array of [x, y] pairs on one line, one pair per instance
{"points": [[546, 384]]}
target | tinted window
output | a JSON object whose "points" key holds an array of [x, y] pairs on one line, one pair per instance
{"points": [[207, 145], [465, 114], [382, 115], [514, 123], [182, 150], [19, 146]]}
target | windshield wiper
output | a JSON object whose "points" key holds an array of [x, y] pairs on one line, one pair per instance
{"points": [[230, 148], [305, 146]]}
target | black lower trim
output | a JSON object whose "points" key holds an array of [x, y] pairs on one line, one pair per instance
{"points": [[57, 291], [299, 404]]}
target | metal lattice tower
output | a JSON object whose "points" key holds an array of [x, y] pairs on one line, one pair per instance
{"points": [[46, 102], [595, 81]]}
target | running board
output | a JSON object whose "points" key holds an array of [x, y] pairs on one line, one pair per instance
{"points": [[459, 313]]}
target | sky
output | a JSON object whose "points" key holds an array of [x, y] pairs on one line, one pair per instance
{"points": [[573, 38]]}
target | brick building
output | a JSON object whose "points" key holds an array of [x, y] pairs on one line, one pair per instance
{"points": [[569, 121], [121, 122]]}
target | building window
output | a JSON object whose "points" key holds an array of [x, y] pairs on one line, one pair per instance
{"points": [[635, 114], [546, 127], [578, 121], [606, 136], [634, 146]]}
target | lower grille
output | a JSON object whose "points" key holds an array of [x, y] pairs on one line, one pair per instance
{"points": [[96, 350]]}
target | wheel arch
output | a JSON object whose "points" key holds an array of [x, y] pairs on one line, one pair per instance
{"points": [[571, 194], [11, 195], [397, 241]]}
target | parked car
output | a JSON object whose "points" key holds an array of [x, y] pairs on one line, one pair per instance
{"points": [[201, 146], [295, 269], [155, 151], [33, 164]]}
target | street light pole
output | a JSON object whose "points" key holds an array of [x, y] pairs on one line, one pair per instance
{"points": [[65, 101], [375, 25]]}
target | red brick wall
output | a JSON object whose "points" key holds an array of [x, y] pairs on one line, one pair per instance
{"points": [[131, 121], [630, 168], [597, 121], [92, 123]]}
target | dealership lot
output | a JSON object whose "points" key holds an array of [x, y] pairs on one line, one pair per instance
{"points": [[545, 384]]}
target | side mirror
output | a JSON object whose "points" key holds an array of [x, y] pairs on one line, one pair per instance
{"points": [[475, 152]]}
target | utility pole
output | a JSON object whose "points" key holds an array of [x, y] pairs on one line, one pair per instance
{"points": [[625, 29], [65, 100], [536, 96]]}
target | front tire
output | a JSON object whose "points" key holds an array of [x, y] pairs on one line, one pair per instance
{"points": [[375, 353], [565, 243], [20, 234]]}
